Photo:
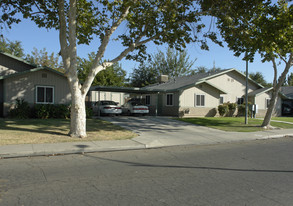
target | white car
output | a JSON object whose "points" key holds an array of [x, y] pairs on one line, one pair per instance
{"points": [[134, 107], [106, 107]]}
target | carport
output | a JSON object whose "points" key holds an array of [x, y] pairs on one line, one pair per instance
{"points": [[129, 90]]}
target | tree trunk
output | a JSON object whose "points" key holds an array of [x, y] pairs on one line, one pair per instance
{"points": [[78, 114], [267, 120], [277, 86]]}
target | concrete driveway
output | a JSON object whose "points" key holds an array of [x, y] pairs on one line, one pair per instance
{"points": [[164, 131]]}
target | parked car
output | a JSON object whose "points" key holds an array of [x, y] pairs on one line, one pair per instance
{"points": [[106, 107], [135, 107]]}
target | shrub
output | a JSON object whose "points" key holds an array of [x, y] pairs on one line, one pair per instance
{"points": [[232, 108], [241, 109], [46, 111], [41, 111], [21, 110], [223, 109], [62, 111]]}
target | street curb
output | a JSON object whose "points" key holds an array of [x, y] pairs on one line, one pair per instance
{"points": [[83, 148]]}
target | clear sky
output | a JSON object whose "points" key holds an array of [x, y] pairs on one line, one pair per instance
{"points": [[31, 36]]}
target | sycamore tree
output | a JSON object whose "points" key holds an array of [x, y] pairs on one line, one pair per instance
{"points": [[174, 22], [258, 26]]}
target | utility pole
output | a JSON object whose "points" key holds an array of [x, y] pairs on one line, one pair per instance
{"points": [[246, 92]]}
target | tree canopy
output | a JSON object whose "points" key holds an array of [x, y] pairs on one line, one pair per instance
{"points": [[257, 26], [11, 47], [259, 78], [172, 63], [175, 23], [42, 58]]}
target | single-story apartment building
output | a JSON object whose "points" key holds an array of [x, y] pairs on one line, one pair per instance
{"points": [[186, 96], [36, 85]]}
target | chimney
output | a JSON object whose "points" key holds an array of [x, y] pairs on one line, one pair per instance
{"points": [[163, 78]]}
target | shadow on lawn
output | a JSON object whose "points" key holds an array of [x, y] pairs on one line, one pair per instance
{"points": [[53, 126]]}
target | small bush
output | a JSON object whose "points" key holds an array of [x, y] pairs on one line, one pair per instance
{"points": [[21, 110], [41, 111], [46, 111], [222, 109], [241, 109], [232, 108]]}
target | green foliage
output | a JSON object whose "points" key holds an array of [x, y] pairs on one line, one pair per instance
{"points": [[21, 110], [143, 75], [111, 76], [175, 23], [223, 109], [43, 59], [231, 108], [47, 111], [174, 63], [11, 47], [89, 112], [252, 26], [241, 109], [259, 78]]}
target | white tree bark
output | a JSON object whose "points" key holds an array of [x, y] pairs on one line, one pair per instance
{"points": [[67, 38], [277, 86]]}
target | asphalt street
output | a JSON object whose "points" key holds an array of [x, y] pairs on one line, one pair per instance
{"points": [[244, 173]]}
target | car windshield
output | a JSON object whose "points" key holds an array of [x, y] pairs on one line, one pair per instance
{"points": [[136, 103], [107, 103]]}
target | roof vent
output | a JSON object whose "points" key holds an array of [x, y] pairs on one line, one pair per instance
{"points": [[163, 78]]}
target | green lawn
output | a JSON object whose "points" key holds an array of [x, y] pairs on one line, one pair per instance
{"points": [[235, 124], [285, 119], [29, 131]]}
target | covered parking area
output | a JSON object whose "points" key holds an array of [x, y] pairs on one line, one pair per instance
{"points": [[122, 95]]}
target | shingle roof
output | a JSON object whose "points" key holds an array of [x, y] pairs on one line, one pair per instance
{"points": [[188, 81], [32, 70], [18, 59], [259, 91], [287, 91]]}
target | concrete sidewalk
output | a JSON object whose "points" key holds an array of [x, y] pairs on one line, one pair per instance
{"points": [[155, 134]]}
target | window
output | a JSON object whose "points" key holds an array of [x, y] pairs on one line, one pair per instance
{"points": [[221, 100], [268, 102], [199, 100], [240, 100], [44, 95], [147, 99], [169, 99]]}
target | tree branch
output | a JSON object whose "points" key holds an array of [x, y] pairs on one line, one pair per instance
{"points": [[96, 67], [275, 72], [63, 36], [132, 47]]}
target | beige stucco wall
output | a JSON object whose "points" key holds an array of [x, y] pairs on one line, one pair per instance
{"points": [[212, 95], [187, 101], [233, 84], [260, 100], [24, 87]]}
